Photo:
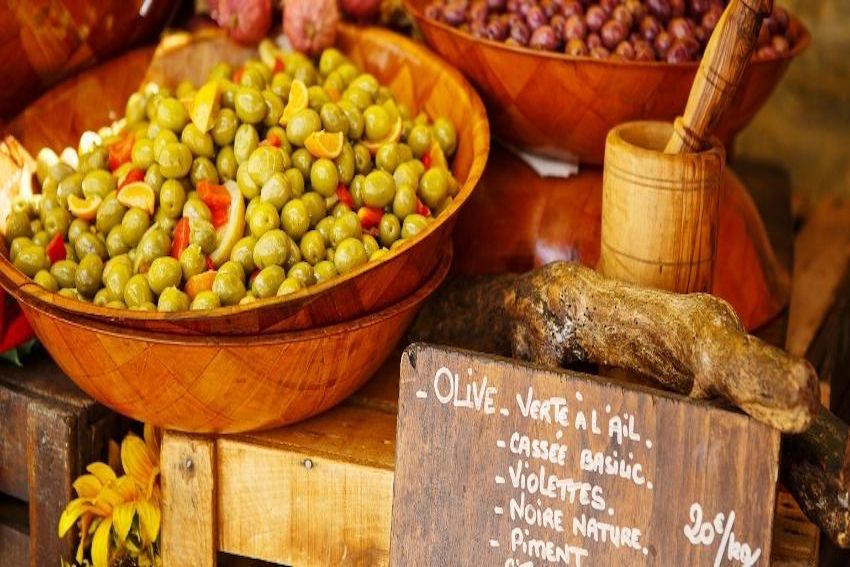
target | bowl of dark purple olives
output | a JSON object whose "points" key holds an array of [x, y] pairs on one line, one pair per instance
{"points": [[557, 75]]}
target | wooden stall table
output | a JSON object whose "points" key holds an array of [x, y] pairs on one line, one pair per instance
{"points": [[320, 492], [49, 431]]}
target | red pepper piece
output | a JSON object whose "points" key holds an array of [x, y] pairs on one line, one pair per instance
{"points": [[237, 75], [344, 195], [210, 265], [426, 160], [422, 209], [181, 238], [279, 65], [217, 198], [120, 152], [369, 216], [253, 275], [272, 140], [16, 329], [56, 249], [372, 231], [132, 176]]}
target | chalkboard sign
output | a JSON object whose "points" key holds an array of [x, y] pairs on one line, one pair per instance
{"points": [[500, 463]]}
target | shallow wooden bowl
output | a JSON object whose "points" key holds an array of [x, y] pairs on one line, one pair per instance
{"points": [[224, 384], [519, 220], [417, 77], [559, 105]]}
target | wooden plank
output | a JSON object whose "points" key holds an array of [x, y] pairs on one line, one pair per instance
{"points": [[714, 471], [14, 537], [51, 436], [13, 444], [189, 503]]}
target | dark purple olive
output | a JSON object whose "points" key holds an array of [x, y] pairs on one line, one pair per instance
{"points": [[612, 33], [577, 48], [558, 22], [644, 51], [520, 33], [625, 50], [497, 29], [622, 15], [711, 17], [636, 9], [678, 53], [496, 5], [678, 8], [595, 18], [779, 19], [660, 9], [575, 28], [454, 13], [662, 44], [544, 38], [573, 8], [766, 52], [699, 7], [478, 29], [600, 53], [550, 8], [680, 28], [593, 40], [650, 28], [535, 18], [780, 44], [764, 35], [478, 12], [692, 45], [701, 35], [434, 12], [608, 5]]}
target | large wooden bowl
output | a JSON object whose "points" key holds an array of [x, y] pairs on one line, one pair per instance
{"points": [[224, 384], [519, 220], [417, 77], [559, 105]]}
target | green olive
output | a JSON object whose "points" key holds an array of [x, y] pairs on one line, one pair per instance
{"points": [[249, 104], [134, 111], [434, 187], [161, 140], [196, 209], [245, 142], [41, 238], [251, 77], [444, 132], [134, 225], [71, 293], [300, 126], [370, 244], [18, 225], [109, 214], [313, 247], [96, 158], [245, 182], [378, 254], [70, 185], [289, 286], [316, 206], [202, 233], [229, 288], [89, 275], [324, 177], [405, 201], [296, 180], [346, 226], [142, 155], [378, 123], [172, 300], [164, 272], [324, 227], [116, 279], [172, 198], [357, 97], [203, 169], [175, 160], [379, 189], [192, 261], [225, 163], [333, 118], [77, 227], [115, 244], [274, 108], [101, 298], [154, 244], [263, 218], [199, 143], [154, 177], [267, 281], [46, 280], [330, 59], [89, 243], [345, 163], [295, 218], [303, 272], [171, 113], [264, 162], [60, 170], [294, 254], [389, 229], [224, 127], [56, 221], [413, 225], [281, 84], [243, 253], [302, 160], [354, 117], [205, 300], [350, 254], [232, 267], [419, 140], [31, 259], [325, 270], [271, 249], [65, 273], [276, 190]]}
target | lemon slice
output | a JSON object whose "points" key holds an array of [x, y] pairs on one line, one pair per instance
{"points": [[298, 99], [205, 106], [200, 282], [393, 136], [138, 194], [324, 144], [85, 209], [230, 232], [438, 158]]}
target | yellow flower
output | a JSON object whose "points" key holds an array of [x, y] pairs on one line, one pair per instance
{"points": [[107, 505]]}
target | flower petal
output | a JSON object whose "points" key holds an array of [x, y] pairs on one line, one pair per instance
{"points": [[72, 513], [110, 497], [126, 487], [136, 461], [100, 544], [153, 441], [122, 519], [149, 518], [88, 486], [102, 471]]}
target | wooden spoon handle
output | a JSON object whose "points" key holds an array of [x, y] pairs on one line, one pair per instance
{"points": [[723, 63]]}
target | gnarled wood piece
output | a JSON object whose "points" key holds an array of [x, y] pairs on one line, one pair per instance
{"points": [[565, 313]]}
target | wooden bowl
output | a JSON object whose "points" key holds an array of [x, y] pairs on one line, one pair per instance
{"points": [[559, 105], [417, 77], [224, 384], [519, 220]]}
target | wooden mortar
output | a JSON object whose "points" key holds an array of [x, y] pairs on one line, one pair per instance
{"points": [[659, 210]]}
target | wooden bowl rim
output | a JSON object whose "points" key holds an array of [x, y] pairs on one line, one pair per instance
{"points": [[270, 339], [799, 32], [21, 286]]}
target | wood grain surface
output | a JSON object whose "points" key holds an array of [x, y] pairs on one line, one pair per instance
{"points": [[699, 461], [418, 78], [555, 104]]}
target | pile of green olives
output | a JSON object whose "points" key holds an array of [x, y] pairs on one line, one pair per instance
{"points": [[266, 180]]}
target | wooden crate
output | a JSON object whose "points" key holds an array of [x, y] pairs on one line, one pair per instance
{"points": [[49, 431]]}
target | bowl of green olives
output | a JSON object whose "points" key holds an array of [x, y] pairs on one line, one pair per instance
{"points": [[245, 191]]}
